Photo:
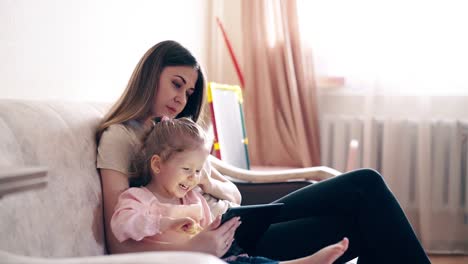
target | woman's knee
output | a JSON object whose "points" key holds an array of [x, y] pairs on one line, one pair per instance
{"points": [[369, 178]]}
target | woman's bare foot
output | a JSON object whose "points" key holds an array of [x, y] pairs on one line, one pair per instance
{"points": [[326, 255]]}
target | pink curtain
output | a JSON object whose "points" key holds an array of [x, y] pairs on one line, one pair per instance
{"points": [[280, 90]]}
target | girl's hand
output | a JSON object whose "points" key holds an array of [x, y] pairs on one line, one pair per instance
{"points": [[185, 224], [215, 239], [215, 184]]}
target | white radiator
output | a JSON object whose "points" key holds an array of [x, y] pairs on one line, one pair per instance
{"points": [[424, 163]]}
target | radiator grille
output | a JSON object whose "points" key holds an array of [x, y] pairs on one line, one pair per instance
{"points": [[401, 150]]}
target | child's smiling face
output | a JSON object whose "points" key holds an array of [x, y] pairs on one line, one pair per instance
{"points": [[180, 173]]}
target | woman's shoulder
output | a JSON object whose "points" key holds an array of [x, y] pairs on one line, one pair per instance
{"points": [[117, 146], [129, 131], [122, 130]]}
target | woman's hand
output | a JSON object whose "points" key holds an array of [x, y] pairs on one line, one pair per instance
{"points": [[220, 187], [205, 179], [215, 239]]}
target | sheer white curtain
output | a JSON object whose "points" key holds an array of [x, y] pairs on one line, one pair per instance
{"points": [[405, 64], [398, 47]]}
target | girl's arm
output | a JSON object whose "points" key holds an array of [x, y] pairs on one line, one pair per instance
{"points": [[214, 240], [220, 187]]}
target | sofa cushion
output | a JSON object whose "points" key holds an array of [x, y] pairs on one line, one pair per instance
{"points": [[65, 218]]}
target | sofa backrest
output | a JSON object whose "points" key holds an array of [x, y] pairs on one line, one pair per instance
{"points": [[64, 218]]}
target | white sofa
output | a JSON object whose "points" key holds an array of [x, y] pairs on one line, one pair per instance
{"points": [[59, 218], [50, 192]]}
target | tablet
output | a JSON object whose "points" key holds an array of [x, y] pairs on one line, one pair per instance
{"points": [[255, 221], [248, 212]]}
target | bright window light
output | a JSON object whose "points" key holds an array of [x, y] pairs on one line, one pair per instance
{"points": [[412, 46]]}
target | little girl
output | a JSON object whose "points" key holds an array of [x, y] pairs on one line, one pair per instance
{"points": [[163, 207]]}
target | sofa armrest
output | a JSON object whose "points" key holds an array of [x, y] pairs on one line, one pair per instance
{"points": [[262, 193], [312, 173], [14, 180], [166, 257]]}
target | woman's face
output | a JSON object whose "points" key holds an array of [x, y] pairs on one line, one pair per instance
{"points": [[176, 85]]}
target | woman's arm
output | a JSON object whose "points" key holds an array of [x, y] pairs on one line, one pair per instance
{"points": [[113, 184], [211, 240], [220, 187]]}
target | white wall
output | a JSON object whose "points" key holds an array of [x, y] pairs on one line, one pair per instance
{"points": [[87, 49]]}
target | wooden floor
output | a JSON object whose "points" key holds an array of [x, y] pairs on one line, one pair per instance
{"points": [[445, 259]]}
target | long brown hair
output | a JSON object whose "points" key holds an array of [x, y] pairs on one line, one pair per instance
{"points": [[136, 101], [166, 138]]}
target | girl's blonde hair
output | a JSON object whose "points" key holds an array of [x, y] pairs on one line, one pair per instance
{"points": [[166, 138], [136, 101]]}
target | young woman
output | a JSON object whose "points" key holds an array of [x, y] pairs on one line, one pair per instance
{"points": [[358, 205], [164, 206]]}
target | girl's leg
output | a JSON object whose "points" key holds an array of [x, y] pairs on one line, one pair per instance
{"points": [[357, 205], [302, 237], [327, 255]]}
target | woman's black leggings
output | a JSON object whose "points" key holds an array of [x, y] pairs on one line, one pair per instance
{"points": [[357, 205]]}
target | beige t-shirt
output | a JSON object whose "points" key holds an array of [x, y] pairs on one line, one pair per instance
{"points": [[119, 144]]}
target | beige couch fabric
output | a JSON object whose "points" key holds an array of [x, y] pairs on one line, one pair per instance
{"points": [[134, 258], [65, 218]]}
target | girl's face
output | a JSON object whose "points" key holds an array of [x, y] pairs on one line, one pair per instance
{"points": [[180, 173], [176, 85]]}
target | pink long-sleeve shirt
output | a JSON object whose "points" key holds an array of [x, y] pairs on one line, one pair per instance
{"points": [[138, 213]]}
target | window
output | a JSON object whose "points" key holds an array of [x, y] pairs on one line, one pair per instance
{"points": [[396, 47]]}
